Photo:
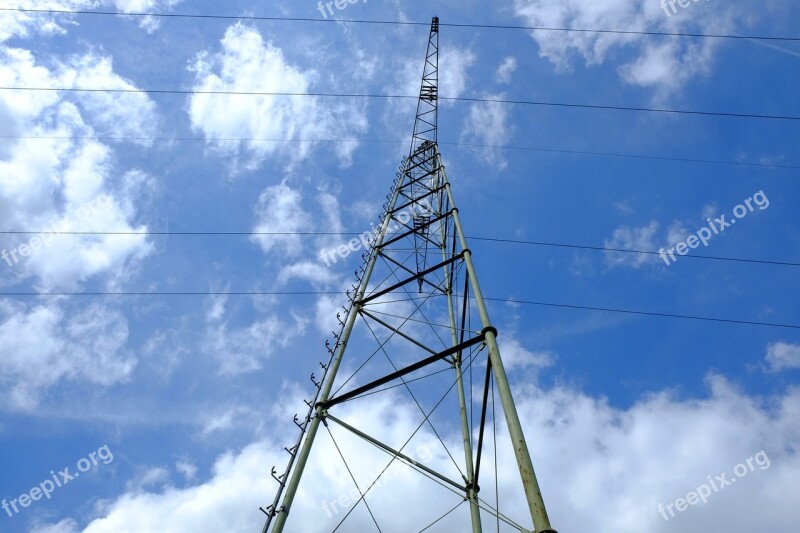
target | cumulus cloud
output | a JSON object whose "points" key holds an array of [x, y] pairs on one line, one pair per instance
{"points": [[600, 467], [651, 237], [307, 270], [280, 210], [149, 24], [246, 63], [506, 69], [632, 238], [67, 182], [186, 469], [516, 356], [454, 62], [20, 24], [242, 348], [487, 125], [783, 356], [663, 64], [111, 113], [44, 345]]}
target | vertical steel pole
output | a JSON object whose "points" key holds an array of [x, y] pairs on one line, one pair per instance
{"points": [[472, 489], [305, 451], [533, 493]]}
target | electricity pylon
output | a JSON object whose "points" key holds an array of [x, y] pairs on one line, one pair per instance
{"points": [[418, 303]]}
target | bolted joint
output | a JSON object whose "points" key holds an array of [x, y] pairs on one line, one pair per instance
{"points": [[487, 329]]}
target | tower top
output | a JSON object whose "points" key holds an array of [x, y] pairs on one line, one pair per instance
{"points": [[426, 122]]}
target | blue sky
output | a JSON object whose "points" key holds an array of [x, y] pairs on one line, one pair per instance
{"points": [[194, 395]]}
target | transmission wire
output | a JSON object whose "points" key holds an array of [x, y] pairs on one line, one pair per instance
{"points": [[407, 23]]}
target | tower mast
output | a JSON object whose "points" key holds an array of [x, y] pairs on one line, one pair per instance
{"points": [[421, 245]]}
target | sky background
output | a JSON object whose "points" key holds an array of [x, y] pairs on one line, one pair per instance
{"points": [[194, 394]]}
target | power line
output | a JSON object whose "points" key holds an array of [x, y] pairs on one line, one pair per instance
{"points": [[323, 293], [355, 234], [620, 154], [387, 141], [408, 23], [403, 96], [645, 313], [632, 251]]}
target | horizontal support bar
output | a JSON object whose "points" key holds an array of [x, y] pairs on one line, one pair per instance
{"points": [[416, 200], [415, 230], [412, 278], [402, 372]]}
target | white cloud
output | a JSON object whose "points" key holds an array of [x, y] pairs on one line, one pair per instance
{"points": [[25, 25], [65, 526], [280, 210], [600, 468], [129, 115], [782, 356], [506, 69], [227, 419], [454, 62], [487, 125], [515, 356], [56, 183], [313, 272], [29, 24], [632, 238], [244, 348], [678, 231], [247, 63], [664, 64], [43, 346], [153, 477], [149, 24], [186, 469]]}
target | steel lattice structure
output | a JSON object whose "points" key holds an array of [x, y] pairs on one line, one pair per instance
{"points": [[417, 324]]}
